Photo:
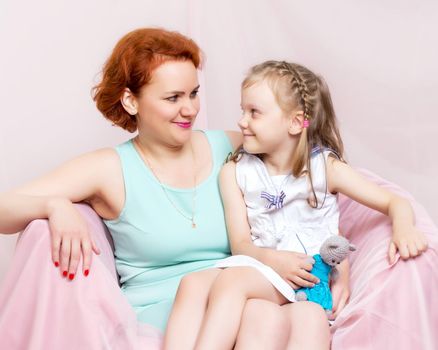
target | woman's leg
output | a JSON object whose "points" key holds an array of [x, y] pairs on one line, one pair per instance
{"points": [[227, 299], [188, 310], [268, 326]]}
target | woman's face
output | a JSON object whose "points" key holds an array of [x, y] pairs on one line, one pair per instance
{"points": [[168, 105]]}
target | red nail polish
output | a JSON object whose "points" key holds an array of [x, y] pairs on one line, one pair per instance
{"points": [[86, 272], [56, 263], [64, 273], [71, 276]]}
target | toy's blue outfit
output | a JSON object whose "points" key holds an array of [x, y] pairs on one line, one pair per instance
{"points": [[320, 293]]}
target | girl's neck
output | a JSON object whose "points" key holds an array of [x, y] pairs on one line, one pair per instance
{"points": [[279, 162]]}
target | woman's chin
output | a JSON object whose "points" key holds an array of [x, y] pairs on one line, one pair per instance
{"points": [[182, 137]]}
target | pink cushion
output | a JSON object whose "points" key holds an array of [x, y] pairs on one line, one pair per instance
{"points": [[391, 307]]}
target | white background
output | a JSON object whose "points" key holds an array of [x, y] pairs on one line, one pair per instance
{"points": [[378, 57]]}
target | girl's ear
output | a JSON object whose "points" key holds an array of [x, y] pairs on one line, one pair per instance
{"points": [[296, 123], [129, 102]]}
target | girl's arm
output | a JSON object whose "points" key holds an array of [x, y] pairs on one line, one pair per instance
{"points": [[52, 196], [406, 239], [293, 267]]}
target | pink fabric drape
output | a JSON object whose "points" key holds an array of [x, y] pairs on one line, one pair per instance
{"points": [[391, 307], [40, 310]]}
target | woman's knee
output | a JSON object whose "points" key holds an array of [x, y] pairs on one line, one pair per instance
{"points": [[231, 282], [196, 284]]}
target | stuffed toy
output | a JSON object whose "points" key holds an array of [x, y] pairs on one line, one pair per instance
{"points": [[333, 251]]}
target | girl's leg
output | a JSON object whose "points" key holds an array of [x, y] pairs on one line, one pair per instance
{"points": [[264, 326], [188, 310], [227, 299], [309, 327], [268, 326]]}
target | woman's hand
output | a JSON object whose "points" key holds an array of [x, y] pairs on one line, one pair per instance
{"points": [[408, 241], [294, 267], [69, 237]]}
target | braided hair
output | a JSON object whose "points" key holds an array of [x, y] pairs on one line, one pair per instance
{"points": [[296, 87]]}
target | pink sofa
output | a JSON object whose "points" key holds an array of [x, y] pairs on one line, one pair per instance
{"points": [[391, 307]]}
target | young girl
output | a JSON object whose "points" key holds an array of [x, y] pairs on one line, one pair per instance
{"points": [[279, 194]]}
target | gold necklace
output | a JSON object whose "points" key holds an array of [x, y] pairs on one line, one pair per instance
{"points": [[192, 217]]}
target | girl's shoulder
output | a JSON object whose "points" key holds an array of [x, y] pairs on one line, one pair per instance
{"points": [[321, 158], [326, 152], [248, 161]]}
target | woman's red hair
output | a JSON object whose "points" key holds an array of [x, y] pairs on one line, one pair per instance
{"points": [[131, 64]]}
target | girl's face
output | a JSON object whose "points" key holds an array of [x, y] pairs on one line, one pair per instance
{"points": [[264, 125], [167, 107]]}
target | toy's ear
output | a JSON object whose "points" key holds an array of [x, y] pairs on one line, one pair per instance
{"points": [[352, 247]]}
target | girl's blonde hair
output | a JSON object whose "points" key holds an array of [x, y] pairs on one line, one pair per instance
{"points": [[296, 87]]}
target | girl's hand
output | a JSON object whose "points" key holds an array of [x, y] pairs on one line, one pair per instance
{"points": [[294, 267], [69, 237], [340, 288], [408, 241], [340, 293]]}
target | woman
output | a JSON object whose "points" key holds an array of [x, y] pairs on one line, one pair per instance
{"points": [[157, 193]]}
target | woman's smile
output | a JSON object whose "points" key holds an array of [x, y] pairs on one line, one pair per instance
{"points": [[184, 125]]}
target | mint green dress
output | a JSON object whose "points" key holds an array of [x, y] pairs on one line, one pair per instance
{"points": [[155, 246]]}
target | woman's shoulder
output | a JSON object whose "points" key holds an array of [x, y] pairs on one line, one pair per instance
{"points": [[98, 158], [104, 167]]}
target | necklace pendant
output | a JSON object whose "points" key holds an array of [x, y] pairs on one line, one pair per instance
{"points": [[193, 224]]}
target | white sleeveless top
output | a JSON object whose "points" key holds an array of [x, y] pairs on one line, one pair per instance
{"points": [[294, 225]]}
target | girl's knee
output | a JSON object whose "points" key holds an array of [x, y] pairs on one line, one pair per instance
{"points": [[309, 327], [307, 308], [314, 315], [263, 325], [270, 313]]}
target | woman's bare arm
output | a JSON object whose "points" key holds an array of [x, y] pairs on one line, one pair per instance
{"points": [[94, 177]]}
